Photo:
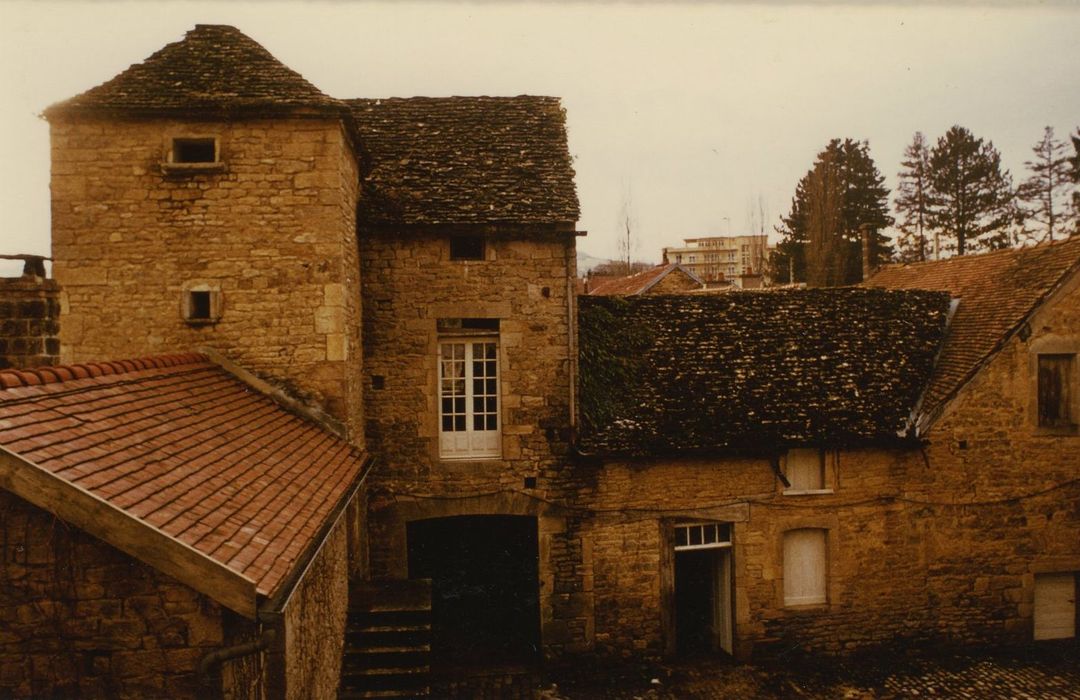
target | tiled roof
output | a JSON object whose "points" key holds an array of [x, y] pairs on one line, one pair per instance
{"points": [[465, 160], [638, 283], [187, 449], [214, 68], [997, 291], [755, 370]]}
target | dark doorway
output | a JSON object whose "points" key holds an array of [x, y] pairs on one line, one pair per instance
{"points": [[484, 572], [703, 592]]}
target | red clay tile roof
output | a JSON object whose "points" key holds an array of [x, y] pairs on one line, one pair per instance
{"points": [[465, 160], [187, 449], [638, 283], [214, 68], [997, 291]]}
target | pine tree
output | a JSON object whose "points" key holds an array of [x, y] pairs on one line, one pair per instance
{"points": [[913, 202], [1044, 196], [971, 196], [843, 191]]}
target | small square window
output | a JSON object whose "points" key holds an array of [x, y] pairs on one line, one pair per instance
{"points": [[199, 306], [201, 303], [201, 150], [466, 247]]}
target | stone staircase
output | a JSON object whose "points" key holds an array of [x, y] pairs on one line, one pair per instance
{"points": [[387, 641]]}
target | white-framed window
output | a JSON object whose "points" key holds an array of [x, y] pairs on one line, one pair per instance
{"points": [[702, 536], [805, 567], [805, 471], [469, 398]]}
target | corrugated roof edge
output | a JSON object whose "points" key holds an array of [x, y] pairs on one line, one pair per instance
{"points": [[12, 378]]}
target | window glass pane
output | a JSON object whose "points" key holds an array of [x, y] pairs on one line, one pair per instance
{"points": [[478, 386], [491, 404], [680, 537], [478, 422], [492, 422], [448, 423], [478, 404], [725, 532], [710, 534], [695, 535], [459, 423], [490, 388]]}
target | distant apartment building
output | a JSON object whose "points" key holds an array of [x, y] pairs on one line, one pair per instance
{"points": [[718, 258]]}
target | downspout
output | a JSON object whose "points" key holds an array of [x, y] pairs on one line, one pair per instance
{"points": [[571, 331]]}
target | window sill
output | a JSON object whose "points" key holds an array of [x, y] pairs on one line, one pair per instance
{"points": [[192, 168], [1058, 430], [813, 492], [200, 321], [807, 607]]}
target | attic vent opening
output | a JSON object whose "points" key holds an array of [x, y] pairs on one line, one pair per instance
{"points": [[198, 150], [466, 247], [200, 306]]}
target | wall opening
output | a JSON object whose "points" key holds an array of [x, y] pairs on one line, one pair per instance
{"points": [[703, 602], [484, 572]]}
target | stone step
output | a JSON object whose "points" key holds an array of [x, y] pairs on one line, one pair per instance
{"points": [[384, 693]]}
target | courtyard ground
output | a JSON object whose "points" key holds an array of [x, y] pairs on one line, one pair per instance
{"points": [[1051, 672]]}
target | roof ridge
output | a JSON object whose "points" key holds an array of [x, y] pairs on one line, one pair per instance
{"points": [[975, 257], [57, 374]]}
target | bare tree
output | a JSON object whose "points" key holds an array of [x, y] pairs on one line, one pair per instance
{"points": [[913, 202], [1044, 196], [627, 242]]}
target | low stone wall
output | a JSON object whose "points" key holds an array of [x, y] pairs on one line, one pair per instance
{"points": [[29, 322], [80, 618]]}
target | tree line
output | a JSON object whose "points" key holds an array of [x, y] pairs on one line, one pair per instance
{"points": [[953, 198]]}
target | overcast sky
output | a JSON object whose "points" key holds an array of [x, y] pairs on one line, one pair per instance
{"points": [[690, 112]]}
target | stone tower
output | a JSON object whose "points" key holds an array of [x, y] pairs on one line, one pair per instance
{"points": [[206, 197]]}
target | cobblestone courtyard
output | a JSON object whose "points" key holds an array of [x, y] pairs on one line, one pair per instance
{"points": [[1052, 672]]}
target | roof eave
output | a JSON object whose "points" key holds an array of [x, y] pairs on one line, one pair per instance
{"points": [[127, 533]]}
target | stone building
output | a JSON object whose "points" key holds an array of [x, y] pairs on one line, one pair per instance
{"points": [[395, 278], [171, 528], [716, 258]]}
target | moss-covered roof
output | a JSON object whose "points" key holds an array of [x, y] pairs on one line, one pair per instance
{"points": [[214, 70], [755, 370], [465, 160]]}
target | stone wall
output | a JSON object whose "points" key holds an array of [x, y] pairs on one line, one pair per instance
{"points": [[273, 229], [525, 281], [315, 622], [29, 322], [80, 618]]}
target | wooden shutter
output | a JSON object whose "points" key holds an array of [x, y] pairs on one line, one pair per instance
{"points": [[804, 567], [1055, 606]]}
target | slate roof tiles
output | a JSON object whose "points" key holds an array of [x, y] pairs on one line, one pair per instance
{"points": [[214, 68], [465, 160], [996, 290], [188, 449], [754, 370]]}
